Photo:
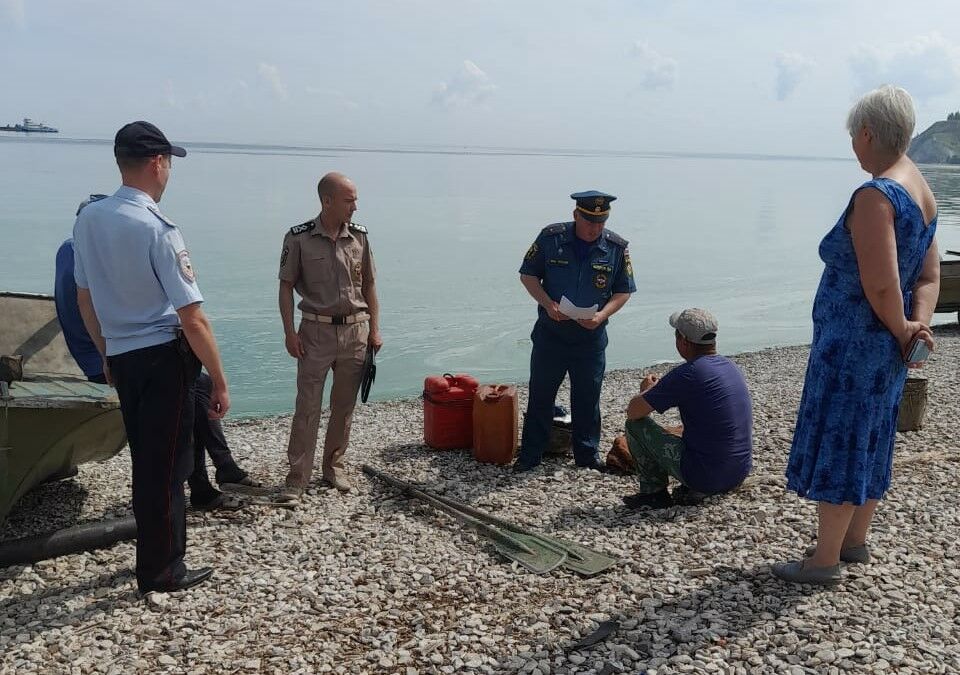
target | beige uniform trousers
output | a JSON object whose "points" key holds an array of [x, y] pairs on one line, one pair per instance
{"points": [[327, 347]]}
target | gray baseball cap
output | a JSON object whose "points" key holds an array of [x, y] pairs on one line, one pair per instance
{"points": [[696, 325]]}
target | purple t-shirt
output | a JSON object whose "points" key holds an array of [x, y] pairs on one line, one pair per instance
{"points": [[717, 421]]}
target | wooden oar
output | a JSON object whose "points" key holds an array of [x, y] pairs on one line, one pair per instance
{"points": [[530, 552]]}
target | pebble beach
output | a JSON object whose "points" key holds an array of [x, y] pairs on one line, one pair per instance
{"points": [[372, 582]]}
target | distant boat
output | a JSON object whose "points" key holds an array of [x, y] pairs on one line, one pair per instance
{"points": [[30, 126]]}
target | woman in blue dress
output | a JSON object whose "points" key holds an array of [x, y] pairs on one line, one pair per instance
{"points": [[878, 290]]}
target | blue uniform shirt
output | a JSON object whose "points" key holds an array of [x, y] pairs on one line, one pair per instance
{"points": [[586, 280], [134, 261], [81, 347]]}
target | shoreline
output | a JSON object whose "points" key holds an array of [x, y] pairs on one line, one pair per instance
{"points": [[370, 582]]}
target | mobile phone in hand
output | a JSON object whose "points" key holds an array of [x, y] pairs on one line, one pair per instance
{"points": [[917, 351]]}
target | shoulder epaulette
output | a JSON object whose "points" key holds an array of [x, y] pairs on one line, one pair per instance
{"points": [[155, 210], [556, 228], [303, 227], [89, 200], [357, 227], [615, 238]]}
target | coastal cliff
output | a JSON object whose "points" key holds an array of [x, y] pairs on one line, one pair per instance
{"points": [[939, 144]]}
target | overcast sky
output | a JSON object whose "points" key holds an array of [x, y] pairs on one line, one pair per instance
{"points": [[742, 76]]}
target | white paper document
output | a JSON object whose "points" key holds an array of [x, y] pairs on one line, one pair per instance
{"points": [[574, 312]]}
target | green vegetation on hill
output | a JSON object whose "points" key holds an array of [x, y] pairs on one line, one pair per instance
{"points": [[940, 144]]}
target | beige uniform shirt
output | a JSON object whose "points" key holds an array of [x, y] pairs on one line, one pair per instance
{"points": [[329, 274]]}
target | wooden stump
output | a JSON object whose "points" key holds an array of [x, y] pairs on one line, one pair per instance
{"points": [[913, 405]]}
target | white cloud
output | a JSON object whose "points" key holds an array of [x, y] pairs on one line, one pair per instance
{"points": [[468, 86], [791, 69], [656, 70], [926, 66], [271, 75], [13, 11]]}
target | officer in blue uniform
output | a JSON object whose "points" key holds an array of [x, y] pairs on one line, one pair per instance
{"points": [[589, 265], [140, 304]]}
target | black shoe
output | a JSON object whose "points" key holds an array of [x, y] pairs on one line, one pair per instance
{"points": [[597, 465], [684, 496], [522, 467], [218, 502], [655, 500], [188, 580], [234, 475]]}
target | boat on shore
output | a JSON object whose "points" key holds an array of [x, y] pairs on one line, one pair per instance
{"points": [[29, 126], [51, 418], [949, 298]]}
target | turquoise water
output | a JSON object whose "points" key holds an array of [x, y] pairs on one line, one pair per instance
{"points": [[449, 228]]}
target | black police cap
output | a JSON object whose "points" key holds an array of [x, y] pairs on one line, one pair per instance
{"points": [[142, 139], [593, 205]]}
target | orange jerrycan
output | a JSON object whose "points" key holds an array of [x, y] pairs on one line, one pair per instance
{"points": [[495, 423]]}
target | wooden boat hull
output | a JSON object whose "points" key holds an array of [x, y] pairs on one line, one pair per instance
{"points": [[54, 419]]}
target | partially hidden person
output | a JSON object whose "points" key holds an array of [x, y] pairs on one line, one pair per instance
{"points": [[208, 436]]}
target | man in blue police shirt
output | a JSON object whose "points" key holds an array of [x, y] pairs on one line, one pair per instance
{"points": [[589, 265], [140, 303]]}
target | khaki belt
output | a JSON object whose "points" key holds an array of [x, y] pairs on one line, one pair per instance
{"points": [[338, 320]]}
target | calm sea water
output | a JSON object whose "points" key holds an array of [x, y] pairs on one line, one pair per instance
{"points": [[449, 228]]}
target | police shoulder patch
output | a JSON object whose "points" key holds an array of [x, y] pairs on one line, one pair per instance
{"points": [[615, 238], [186, 267], [357, 227], [303, 227], [556, 228], [88, 201]]}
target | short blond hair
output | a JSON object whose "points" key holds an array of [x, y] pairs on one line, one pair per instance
{"points": [[889, 115]]}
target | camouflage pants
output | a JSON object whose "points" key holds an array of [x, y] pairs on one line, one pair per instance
{"points": [[656, 452]]}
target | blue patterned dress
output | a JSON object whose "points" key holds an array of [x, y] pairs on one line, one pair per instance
{"points": [[843, 444]]}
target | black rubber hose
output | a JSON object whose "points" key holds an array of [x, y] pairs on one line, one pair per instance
{"points": [[63, 542]]}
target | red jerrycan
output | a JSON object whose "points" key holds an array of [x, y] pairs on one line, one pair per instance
{"points": [[495, 423], [448, 411]]}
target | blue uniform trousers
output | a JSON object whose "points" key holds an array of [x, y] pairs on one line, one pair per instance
{"points": [[550, 361], [156, 390]]}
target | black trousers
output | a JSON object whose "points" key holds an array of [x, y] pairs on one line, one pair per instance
{"points": [[156, 390], [208, 435]]}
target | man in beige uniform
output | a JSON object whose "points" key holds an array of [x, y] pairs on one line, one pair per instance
{"points": [[329, 263]]}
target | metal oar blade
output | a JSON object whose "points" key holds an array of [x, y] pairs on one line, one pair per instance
{"points": [[580, 559], [540, 560], [529, 551]]}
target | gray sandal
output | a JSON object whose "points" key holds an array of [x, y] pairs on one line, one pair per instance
{"points": [[820, 576]]}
